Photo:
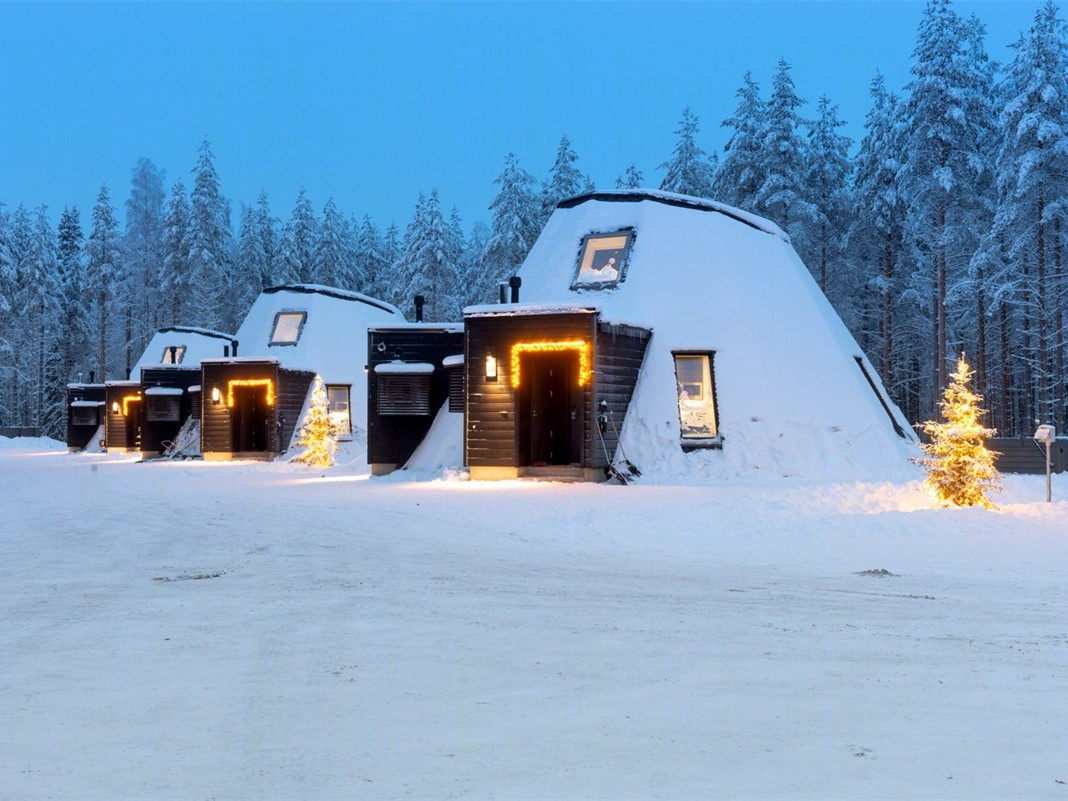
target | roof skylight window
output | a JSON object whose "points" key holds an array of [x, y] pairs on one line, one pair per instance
{"points": [[287, 327], [603, 260]]}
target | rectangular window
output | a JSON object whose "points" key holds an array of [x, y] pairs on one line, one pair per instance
{"points": [[603, 260], [83, 415], [697, 399], [404, 394], [287, 327], [162, 408], [173, 354], [337, 396]]}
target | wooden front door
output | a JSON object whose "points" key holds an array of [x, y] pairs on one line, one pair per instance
{"points": [[551, 403], [250, 416]]}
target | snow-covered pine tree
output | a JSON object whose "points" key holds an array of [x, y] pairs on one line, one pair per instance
{"points": [[7, 332], [143, 253], [318, 436], [688, 170], [564, 180], [875, 240], [332, 257], [103, 267], [38, 305], [370, 261], [209, 243], [741, 171], [515, 227], [1032, 180], [296, 252], [391, 255], [425, 268], [825, 186], [783, 155], [73, 328], [944, 161], [471, 268], [960, 469], [630, 179], [176, 283], [267, 239], [251, 257]]}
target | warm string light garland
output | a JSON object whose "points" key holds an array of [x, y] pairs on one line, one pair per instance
{"points": [[250, 382], [579, 345], [126, 401]]}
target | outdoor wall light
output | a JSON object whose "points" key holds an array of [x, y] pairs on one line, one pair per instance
{"points": [[216, 396], [491, 367], [115, 407]]}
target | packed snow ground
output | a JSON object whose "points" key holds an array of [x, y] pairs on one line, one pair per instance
{"points": [[249, 631]]}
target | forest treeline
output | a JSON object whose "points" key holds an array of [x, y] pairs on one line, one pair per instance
{"points": [[942, 231]]}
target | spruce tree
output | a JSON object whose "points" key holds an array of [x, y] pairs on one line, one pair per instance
{"points": [[332, 257], [688, 170], [741, 172], [143, 252], [564, 180], [296, 252], [318, 436], [515, 227], [779, 196], [370, 261], [631, 179], [176, 283], [103, 252], [209, 243]]}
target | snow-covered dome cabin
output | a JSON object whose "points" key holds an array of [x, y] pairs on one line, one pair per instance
{"points": [[254, 399], [146, 412], [678, 334]]}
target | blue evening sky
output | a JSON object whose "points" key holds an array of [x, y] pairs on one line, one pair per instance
{"points": [[371, 103]]}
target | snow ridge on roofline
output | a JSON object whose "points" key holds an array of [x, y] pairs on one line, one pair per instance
{"points": [[189, 329], [333, 292], [672, 199]]}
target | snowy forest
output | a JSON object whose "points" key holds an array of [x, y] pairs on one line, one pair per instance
{"points": [[942, 231]]}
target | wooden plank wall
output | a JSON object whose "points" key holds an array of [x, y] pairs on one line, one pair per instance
{"points": [[620, 352], [155, 432], [293, 388], [1016, 455], [391, 439], [117, 434], [490, 430], [216, 431]]}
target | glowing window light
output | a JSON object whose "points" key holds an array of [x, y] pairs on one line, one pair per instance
{"points": [[579, 345], [250, 382], [127, 401]]}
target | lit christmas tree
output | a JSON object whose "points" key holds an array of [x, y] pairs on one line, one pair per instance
{"points": [[959, 467], [318, 435]]}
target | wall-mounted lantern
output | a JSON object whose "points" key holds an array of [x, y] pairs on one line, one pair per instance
{"points": [[216, 396], [491, 367], [114, 407]]}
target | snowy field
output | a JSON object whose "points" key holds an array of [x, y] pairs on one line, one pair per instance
{"points": [[240, 631]]}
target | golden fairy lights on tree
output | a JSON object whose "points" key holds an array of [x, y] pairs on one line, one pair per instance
{"points": [[318, 436], [959, 467]]}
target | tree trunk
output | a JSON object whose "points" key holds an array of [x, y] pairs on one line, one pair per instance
{"points": [[1042, 356], [980, 349], [888, 312], [102, 361], [129, 343], [1059, 299], [1006, 426], [823, 258]]}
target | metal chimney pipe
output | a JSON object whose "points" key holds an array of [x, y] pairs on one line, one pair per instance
{"points": [[419, 301], [233, 347], [515, 282], [174, 353], [504, 292], [226, 351], [92, 376]]}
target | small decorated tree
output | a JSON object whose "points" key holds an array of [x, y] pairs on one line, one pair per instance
{"points": [[959, 467], [318, 436]]}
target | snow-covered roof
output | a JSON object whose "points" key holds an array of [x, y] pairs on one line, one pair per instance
{"points": [[790, 395], [449, 328], [332, 340], [456, 360], [164, 391], [83, 386], [404, 368], [684, 201], [194, 388], [123, 383], [86, 404], [497, 309], [199, 344]]}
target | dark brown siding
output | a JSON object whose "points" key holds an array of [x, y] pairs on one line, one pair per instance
{"points": [[1025, 456], [79, 436], [490, 430], [455, 376], [216, 431], [391, 439], [120, 431], [293, 388], [619, 354], [155, 432]]}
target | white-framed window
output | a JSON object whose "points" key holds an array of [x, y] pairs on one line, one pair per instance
{"points": [[173, 354], [287, 327], [603, 260], [697, 399], [337, 398]]}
